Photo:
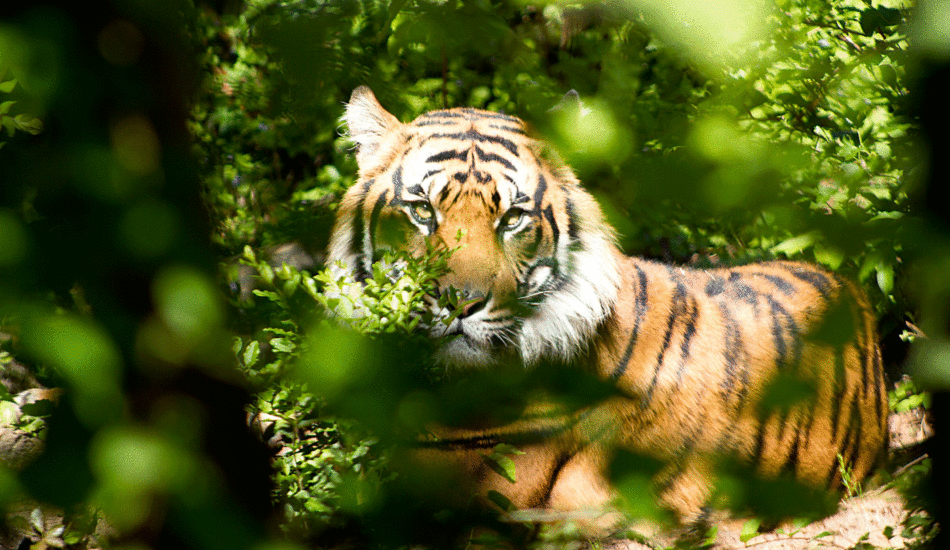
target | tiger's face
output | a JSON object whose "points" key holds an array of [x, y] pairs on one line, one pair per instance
{"points": [[534, 266]]}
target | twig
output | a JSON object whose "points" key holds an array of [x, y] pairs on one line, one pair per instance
{"points": [[907, 466]]}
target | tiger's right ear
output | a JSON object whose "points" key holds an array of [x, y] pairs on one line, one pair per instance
{"points": [[368, 124]]}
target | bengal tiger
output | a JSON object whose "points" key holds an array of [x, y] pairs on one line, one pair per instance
{"points": [[690, 352]]}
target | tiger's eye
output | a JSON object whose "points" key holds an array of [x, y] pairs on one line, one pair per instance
{"points": [[422, 212], [511, 219]]}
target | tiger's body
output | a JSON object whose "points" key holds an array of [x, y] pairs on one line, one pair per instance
{"points": [[692, 353]]}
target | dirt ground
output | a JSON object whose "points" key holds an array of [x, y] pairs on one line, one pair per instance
{"points": [[864, 516], [861, 518]]}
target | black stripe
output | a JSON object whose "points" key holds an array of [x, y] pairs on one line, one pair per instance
{"points": [[374, 217], [675, 311], [715, 286], [444, 194], [867, 346], [849, 453], [472, 135], [847, 416], [781, 284], [477, 113], [397, 183], [441, 114], [746, 293], [539, 193], [730, 383], [791, 461], [556, 275], [759, 450], [733, 345], [433, 123], [451, 154], [639, 310], [809, 424], [839, 385], [573, 225], [512, 129], [552, 478], [532, 248], [492, 157], [431, 173], [779, 331], [817, 279], [860, 346], [513, 437], [549, 216], [356, 244], [880, 392], [692, 313]]}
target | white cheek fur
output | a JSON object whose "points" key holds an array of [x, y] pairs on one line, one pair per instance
{"points": [[568, 317]]}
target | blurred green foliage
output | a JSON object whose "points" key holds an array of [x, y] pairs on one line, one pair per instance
{"points": [[712, 132]]}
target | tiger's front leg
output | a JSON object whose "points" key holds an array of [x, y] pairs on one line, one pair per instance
{"points": [[582, 491], [525, 476]]}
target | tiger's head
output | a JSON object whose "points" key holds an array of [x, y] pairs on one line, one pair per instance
{"points": [[537, 267]]}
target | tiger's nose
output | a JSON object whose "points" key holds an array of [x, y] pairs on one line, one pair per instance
{"points": [[471, 303]]}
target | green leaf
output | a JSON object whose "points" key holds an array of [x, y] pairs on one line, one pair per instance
{"points": [[501, 501], [251, 353], [501, 465], [283, 345], [28, 123], [796, 245], [7, 86], [270, 295], [9, 412], [885, 277], [828, 256], [42, 407], [9, 124], [507, 450], [750, 529], [876, 19]]}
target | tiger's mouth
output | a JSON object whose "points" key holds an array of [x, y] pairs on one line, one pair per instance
{"points": [[473, 342]]}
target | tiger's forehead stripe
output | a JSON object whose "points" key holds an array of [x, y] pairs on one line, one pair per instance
{"points": [[476, 136], [493, 157], [448, 155], [463, 155], [466, 113]]}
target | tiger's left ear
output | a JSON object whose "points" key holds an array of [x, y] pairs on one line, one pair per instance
{"points": [[368, 124]]}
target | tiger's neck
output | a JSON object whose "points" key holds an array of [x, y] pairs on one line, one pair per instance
{"points": [[613, 344]]}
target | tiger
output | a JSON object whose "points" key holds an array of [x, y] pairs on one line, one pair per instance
{"points": [[692, 354]]}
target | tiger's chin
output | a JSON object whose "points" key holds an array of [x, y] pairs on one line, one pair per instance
{"points": [[461, 352]]}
